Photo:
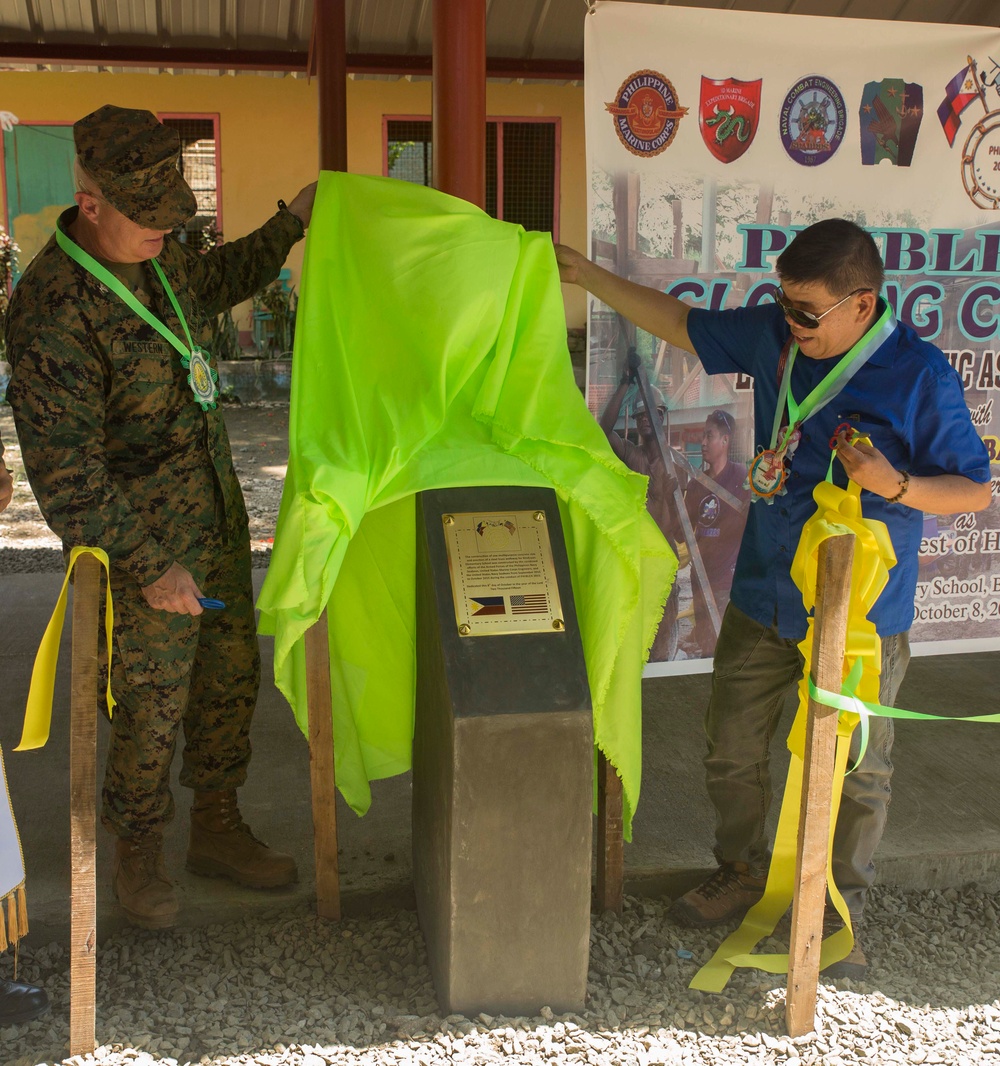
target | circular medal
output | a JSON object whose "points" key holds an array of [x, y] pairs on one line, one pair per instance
{"points": [[767, 473], [202, 378]]}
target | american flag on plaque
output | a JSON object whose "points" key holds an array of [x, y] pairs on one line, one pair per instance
{"points": [[529, 603]]}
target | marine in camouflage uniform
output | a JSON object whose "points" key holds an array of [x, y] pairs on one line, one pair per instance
{"points": [[121, 456]]}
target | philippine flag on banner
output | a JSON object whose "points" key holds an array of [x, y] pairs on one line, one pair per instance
{"points": [[960, 92]]}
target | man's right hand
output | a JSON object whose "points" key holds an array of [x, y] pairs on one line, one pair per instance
{"points": [[175, 591], [570, 263], [656, 312]]}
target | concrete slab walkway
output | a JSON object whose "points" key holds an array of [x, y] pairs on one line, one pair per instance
{"points": [[944, 825]]}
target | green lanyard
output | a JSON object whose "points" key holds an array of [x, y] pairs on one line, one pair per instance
{"points": [[202, 378], [832, 384]]}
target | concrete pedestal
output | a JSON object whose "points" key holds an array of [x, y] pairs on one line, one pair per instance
{"points": [[502, 788]]}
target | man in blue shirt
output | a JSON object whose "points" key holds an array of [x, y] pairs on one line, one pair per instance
{"points": [[826, 353]]}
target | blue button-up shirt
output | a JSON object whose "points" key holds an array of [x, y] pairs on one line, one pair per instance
{"points": [[907, 398]]}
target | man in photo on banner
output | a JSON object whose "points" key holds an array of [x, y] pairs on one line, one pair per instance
{"points": [[645, 458], [115, 401], [827, 353], [717, 525], [20, 1002]]}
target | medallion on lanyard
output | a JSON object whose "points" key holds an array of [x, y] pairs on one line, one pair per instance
{"points": [[202, 378], [767, 476], [769, 468]]}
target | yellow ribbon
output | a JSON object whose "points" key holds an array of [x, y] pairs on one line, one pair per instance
{"points": [[38, 713], [838, 512]]}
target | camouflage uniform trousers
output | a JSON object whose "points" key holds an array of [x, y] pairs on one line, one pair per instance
{"points": [[171, 671]]}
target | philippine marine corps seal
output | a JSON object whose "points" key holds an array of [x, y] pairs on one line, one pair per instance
{"points": [[727, 115], [646, 113], [813, 120]]}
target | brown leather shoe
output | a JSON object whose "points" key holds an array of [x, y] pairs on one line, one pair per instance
{"points": [[729, 893], [855, 966], [21, 1003], [141, 884], [221, 845]]}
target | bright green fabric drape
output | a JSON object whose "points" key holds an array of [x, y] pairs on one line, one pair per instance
{"points": [[430, 352]]}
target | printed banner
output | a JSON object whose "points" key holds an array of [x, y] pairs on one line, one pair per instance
{"points": [[711, 140]]}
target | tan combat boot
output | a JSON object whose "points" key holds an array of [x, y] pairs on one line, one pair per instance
{"points": [[221, 845], [141, 884], [729, 893]]}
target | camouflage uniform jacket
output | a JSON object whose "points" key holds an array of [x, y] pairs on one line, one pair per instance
{"points": [[118, 453]]}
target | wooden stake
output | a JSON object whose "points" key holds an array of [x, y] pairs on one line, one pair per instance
{"points": [[610, 845], [321, 769], [833, 594], [83, 807]]}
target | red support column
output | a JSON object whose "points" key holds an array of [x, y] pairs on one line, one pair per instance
{"points": [[459, 98], [330, 44]]}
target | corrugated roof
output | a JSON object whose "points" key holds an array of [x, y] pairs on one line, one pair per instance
{"points": [[273, 35]]}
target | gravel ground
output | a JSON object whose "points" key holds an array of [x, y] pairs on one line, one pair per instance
{"points": [[298, 991], [293, 989], [258, 433]]}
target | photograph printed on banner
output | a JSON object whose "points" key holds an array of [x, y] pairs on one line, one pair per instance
{"points": [[695, 455], [703, 166]]}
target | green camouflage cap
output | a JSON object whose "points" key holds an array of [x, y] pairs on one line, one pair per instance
{"points": [[133, 158]]}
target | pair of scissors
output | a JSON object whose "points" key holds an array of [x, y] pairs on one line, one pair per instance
{"points": [[844, 427], [211, 605]]}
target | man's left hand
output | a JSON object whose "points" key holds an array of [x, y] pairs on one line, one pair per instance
{"points": [[302, 205], [867, 466]]}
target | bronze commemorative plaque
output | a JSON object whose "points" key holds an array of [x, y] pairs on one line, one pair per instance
{"points": [[502, 575]]}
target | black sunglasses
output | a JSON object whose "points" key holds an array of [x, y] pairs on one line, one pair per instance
{"points": [[806, 319]]}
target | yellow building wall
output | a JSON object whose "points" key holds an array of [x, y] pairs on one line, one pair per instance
{"points": [[268, 133]]}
